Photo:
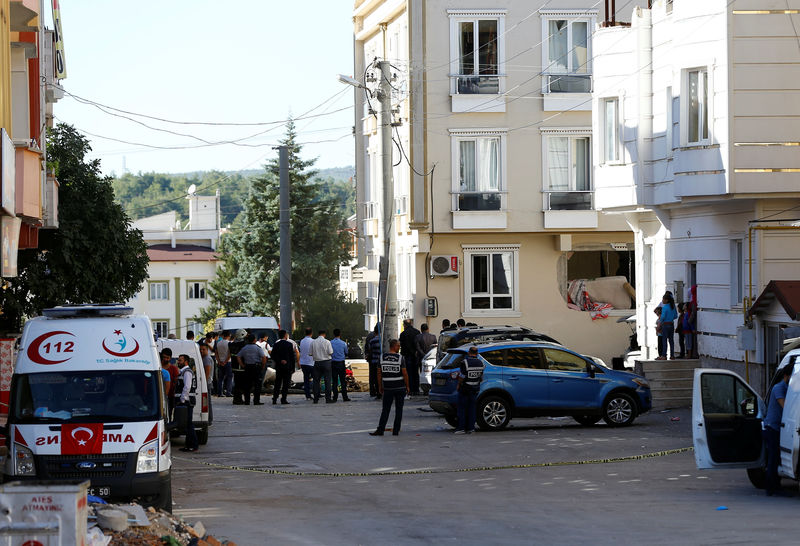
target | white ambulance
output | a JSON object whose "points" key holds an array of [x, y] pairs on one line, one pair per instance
{"points": [[87, 402], [727, 419]]}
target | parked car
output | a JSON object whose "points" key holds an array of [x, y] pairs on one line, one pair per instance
{"points": [[540, 378], [472, 335], [428, 364], [726, 422]]}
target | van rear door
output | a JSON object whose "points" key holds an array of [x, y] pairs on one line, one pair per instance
{"points": [[726, 421], [790, 422]]}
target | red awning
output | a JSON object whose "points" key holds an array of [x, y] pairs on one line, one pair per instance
{"points": [[787, 293]]}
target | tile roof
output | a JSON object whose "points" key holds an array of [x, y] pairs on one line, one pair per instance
{"points": [[787, 293]]}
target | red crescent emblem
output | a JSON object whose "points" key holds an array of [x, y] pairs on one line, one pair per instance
{"points": [[36, 356], [131, 353]]}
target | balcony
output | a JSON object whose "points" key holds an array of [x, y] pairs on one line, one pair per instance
{"points": [[567, 92], [570, 210], [473, 93], [24, 15], [29, 182]]}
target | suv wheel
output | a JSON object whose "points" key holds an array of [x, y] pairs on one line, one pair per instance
{"points": [[619, 410], [494, 413]]}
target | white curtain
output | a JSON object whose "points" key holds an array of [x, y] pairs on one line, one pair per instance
{"points": [[580, 154], [557, 45], [580, 53], [467, 159], [501, 273], [558, 163], [489, 176]]}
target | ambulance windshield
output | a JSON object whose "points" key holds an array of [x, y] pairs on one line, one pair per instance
{"points": [[85, 396]]}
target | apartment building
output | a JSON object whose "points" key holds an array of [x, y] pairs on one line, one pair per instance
{"points": [[183, 261], [31, 64], [495, 210], [696, 130]]}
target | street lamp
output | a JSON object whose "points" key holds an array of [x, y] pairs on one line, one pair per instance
{"points": [[387, 293]]}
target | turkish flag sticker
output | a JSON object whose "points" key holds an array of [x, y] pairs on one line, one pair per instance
{"points": [[81, 438]]}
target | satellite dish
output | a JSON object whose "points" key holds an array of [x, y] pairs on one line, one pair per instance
{"points": [[192, 189]]}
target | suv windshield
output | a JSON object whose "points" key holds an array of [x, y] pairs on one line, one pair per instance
{"points": [[87, 396]]}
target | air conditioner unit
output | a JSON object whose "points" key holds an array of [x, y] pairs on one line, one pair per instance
{"points": [[444, 266]]}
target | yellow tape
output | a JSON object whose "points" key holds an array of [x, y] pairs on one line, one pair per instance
{"points": [[442, 470]]}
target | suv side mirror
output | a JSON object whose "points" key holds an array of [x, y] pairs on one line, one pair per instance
{"points": [[590, 369]]}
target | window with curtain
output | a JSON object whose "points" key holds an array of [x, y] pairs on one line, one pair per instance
{"points": [[567, 60], [569, 181], [492, 278], [478, 56], [611, 131], [697, 116], [479, 174]]}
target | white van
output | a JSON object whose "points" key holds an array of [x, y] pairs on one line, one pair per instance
{"points": [[254, 325], [726, 423], [202, 413], [87, 402]]}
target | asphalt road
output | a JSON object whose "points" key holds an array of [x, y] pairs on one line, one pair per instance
{"points": [[310, 474]]}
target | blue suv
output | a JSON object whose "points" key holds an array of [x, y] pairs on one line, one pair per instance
{"points": [[537, 378]]}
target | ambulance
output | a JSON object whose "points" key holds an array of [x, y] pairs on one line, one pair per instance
{"points": [[87, 402], [727, 419]]}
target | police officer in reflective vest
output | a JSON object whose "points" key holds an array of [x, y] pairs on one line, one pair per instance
{"points": [[393, 386], [185, 389], [470, 375]]}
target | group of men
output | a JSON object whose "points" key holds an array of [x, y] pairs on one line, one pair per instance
{"points": [[323, 359]]}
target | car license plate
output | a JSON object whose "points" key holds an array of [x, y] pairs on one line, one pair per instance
{"points": [[100, 491], [440, 381]]}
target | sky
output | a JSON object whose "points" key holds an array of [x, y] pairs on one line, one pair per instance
{"points": [[233, 61]]}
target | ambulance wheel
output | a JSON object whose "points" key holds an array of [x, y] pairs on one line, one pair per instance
{"points": [[452, 420], [586, 420], [758, 477], [494, 413], [202, 436], [619, 410]]}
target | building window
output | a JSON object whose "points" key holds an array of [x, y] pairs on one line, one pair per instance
{"points": [[568, 168], [737, 273], [159, 290], [196, 290], [161, 328], [491, 278], [697, 106], [195, 327], [566, 52], [478, 162], [477, 40], [611, 130], [669, 123]]}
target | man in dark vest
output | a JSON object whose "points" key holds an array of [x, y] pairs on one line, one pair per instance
{"points": [[239, 379], [393, 385], [372, 352], [283, 354], [185, 391], [470, 375]]}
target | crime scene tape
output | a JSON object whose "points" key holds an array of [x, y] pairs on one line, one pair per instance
{"points": [[439, 470]]}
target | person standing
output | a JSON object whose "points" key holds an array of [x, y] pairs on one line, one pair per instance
{"points": [[208, 362], [679, 330], [283, 356], [372, 352], [172, 370], [237, 366], [425, 340], [338, 367], [322, 351], [687, 326], [190, 335], [772, 431], [307, 362], [667, 322], [185, 389], [408, 348], [393, 385], [254, 361], [223, 369], [470, 375]]}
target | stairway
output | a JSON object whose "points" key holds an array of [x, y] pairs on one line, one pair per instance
{"points": [[670, 381]]}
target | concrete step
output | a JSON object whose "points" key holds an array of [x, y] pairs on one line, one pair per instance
{"points": [[669, 392], [669, 374], [659, 384], [671, 403], [686, 364]]}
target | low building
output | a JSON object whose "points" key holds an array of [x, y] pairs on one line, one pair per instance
{"points": [[183, 261]]}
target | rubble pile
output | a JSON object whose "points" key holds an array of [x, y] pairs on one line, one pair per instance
{"points": [[132, 525]]}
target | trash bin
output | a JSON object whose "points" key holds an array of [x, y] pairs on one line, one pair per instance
{"points": [[617, 363], [43, 512]]}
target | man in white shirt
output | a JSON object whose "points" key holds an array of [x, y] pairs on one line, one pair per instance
{"points": [[307, 362], [321, 351]]}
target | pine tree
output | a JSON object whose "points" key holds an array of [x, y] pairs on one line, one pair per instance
{"points": [[249, 279]]}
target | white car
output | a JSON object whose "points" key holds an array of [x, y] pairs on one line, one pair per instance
{"points": [[727, 419], [428, 364]]}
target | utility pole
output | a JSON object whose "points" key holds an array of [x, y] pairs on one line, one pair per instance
{"points": [[388, 269], [286, 241]]}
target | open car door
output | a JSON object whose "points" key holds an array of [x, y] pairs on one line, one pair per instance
{"points": [[790, 422], [726, 421]]}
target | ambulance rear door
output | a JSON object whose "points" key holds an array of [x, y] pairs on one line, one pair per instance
{"points": [[726, 421]]}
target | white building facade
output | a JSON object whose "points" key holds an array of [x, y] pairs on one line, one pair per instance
{"points": [[183, 261], [695, 146]]}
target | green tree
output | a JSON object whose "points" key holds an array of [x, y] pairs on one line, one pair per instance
{"points": [[248, 279], [94, 255], [329, 310]]}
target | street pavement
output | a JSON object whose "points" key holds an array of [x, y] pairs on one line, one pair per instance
{"points": [[310, 474]]}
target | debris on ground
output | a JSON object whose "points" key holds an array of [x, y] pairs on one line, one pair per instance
{"points": [[132, 525]]}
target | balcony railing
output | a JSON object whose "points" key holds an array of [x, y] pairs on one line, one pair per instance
{"points": [[477, 85], [480, 200], [570, 200], [569, 83]]}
